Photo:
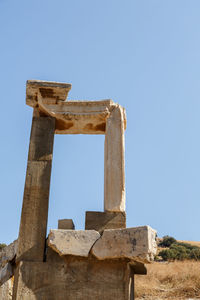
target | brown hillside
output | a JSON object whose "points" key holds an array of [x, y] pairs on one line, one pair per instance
{"points": [[175, 280]]}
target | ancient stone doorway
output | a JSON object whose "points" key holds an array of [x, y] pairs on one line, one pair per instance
{"points": [[54, 115], [80, 189]]}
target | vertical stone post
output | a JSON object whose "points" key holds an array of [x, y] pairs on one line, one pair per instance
{"points": [[32, 234], [114, 166]]}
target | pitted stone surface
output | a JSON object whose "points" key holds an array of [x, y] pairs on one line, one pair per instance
{"points": [[8, 253], [5, 273], [133, 243], [72, 242], [6, 290]]}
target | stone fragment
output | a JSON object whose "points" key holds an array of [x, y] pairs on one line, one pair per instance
{"points": [[8, 253], [72, 242], [100, 221], [66, 224], [6, 273], [133, 243]]}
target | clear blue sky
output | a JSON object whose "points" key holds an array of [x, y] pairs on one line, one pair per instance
{"points": [[144, 55]]}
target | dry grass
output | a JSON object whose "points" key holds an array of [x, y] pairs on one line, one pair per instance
{"points": [[191, 243], [174, 280]]}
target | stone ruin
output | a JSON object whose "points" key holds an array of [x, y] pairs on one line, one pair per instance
{"points": [[96, 263]]}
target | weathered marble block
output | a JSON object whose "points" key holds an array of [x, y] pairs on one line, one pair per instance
{"points": [[72, 242], [137, 244]]}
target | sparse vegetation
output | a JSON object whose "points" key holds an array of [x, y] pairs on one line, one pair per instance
{"points": [[2, 246], [169, 281], [167, 241], [178, 250]]}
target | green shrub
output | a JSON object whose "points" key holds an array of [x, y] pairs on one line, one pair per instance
{"points": [[178, 250], [195, 254], [167, 241], [2, 246], [168, 254]]}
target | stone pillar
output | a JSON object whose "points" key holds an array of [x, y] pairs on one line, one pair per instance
{"points": [[34, 215], [114, 173]]}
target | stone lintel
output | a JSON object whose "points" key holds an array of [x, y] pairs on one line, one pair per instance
{"points": [[51, 91], [72, 117], [66, 224], [100, 221]]}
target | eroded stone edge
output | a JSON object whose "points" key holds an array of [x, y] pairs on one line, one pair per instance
{"points": [[143, 257], [51, 237]]}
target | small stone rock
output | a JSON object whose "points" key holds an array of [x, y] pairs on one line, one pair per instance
{"points": [[72, 242], [66, 224]]}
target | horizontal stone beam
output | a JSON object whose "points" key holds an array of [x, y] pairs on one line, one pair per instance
{"points": [[72, 117], [136, 244]]}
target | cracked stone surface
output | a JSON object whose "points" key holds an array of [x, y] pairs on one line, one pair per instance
{"points": [[133, 243], [72, 242]]}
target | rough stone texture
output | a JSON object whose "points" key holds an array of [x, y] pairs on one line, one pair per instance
{"points": [[6, 273], [6, 290], [137, 244], [114, 164], [8, 253], [72, 117], [87, 117], [100, 221], [78, 117], [53, 256], [74, 280], [66, 224], [51, 91], [72, 242], [32, 234]]}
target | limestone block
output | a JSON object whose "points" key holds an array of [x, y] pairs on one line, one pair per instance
{"points": [[100, 221], [114, 161], [72, 242], [8, 253], [6, 273], [133, 243], [74, 280], [66, 224]]}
